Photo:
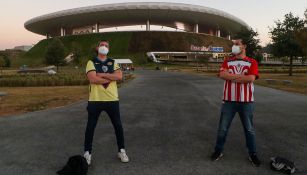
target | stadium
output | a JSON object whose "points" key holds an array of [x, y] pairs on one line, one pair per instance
{"points": [[181, 27]]}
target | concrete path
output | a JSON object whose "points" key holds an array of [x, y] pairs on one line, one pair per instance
{"points": [[170, 121]]}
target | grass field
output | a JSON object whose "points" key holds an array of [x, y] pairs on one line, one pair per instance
{"points": [[27, 99], [298, 85]]}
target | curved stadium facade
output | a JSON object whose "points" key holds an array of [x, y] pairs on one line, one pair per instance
{"points": [[91, 19], [200, 30]]}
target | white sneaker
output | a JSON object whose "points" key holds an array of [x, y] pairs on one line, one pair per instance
{"points": [[123, 156], [88, 157]]}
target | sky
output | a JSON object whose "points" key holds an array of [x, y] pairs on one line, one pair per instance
{"points": [[258, 14]]}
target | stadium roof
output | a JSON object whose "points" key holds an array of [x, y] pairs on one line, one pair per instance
{"points": [[136, 13]]}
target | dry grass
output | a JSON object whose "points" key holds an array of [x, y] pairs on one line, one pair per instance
{"points": [[25, 99], [298, 85]]}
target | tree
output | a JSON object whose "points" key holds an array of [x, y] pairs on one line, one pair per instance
{"points": [[55, 53], [2, 64], [249, 37], [76, 51], [301, 38], [284, 42], [267, 49], [7, 61], [258, 56]]}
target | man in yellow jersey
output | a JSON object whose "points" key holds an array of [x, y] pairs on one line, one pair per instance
{"points": [[102, 73]]}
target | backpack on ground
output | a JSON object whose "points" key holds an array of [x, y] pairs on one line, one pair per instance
{"points": [[76, 165]]}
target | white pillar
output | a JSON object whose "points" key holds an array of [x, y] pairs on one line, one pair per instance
{"points": [[97, 27], [147, 25], [218, 33], [62, 31], [228, 37], [196, 28]]}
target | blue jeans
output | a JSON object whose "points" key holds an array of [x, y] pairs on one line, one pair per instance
{"points": [[228, 111]]}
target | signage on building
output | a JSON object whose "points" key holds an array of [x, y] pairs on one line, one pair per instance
{"points": [[207, 49], [83, 30]]}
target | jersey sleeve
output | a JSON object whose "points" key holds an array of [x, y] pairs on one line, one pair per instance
{"points": [[116, 66], [90, 67], [254, 69]]}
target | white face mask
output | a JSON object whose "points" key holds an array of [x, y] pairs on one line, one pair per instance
{"points": [[236, 49], [103, 50]]}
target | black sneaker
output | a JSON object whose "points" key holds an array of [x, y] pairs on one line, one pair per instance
{"points": [[216, 156], [254, 160]]}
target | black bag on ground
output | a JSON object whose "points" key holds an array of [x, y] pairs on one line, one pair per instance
{"points": [[282, 164], [76, 165]]}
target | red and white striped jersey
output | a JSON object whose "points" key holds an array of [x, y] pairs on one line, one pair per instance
{"points": [[239, 92]]}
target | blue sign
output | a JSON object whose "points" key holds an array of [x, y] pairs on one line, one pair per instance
{"points": [[217, 49]]}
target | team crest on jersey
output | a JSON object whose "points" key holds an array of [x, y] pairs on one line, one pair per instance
{"points": [[104, 68], [239, 68], [110, 63]]}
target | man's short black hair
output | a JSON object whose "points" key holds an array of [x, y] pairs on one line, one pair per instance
{"points": [[243, 41], [103, 41]]}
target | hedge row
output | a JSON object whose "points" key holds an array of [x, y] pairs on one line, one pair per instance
{"points": [[42, 80], [34, 80]]}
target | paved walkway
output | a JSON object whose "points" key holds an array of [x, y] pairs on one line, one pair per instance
{"points": [[170, 121]]}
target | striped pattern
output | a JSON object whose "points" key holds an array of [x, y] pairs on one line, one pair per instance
{"points": [[239, 92]]}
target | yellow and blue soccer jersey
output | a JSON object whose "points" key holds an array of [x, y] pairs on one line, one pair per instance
{"points": [[102, 92]]}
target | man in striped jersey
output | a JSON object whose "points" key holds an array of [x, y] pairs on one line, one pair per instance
{"points": [[239, 73]]}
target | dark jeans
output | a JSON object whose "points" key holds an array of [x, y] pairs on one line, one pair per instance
{"points": [[112, 109], [228, 111]]}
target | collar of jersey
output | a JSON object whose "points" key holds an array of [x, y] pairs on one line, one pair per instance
{"points": [[97, 59], [235, 58]]}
